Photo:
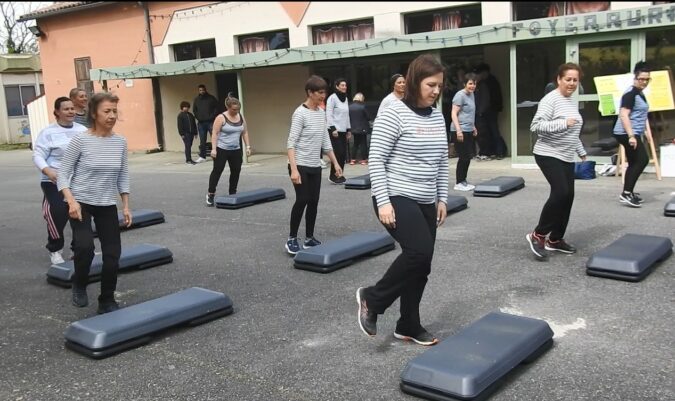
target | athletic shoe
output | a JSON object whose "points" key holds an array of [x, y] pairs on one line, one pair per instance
{"points": [[637, 197], [559, 246], [367, 320], [335, 180], [364, 162], [537, 245], [463, 186], [191, 162], [209, 199], [352, 162], [106, 307], [423, 338], [292, 245], [629, 200], [310, 242], [201, 160], [80, 298], [341, 180], [56, 257]]}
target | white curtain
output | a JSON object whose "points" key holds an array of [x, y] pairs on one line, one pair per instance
{"points": [[448, 20], [252, 45], [343, 33]]}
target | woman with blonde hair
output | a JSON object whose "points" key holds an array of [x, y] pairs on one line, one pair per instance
{"points": [[360, 120]]}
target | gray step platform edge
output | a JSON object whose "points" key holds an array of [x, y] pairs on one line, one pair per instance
{"points": [[359, 182], [108, 334], [139, 218], [249, 198], [669, 209], [473, 363], [457, 203], [630, 258], [499, 186], [137, 257], [341, 252]]}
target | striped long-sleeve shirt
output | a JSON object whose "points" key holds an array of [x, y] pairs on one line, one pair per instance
{"points": [[550, 124], [308, 136], [408, 156], [95, 169]]}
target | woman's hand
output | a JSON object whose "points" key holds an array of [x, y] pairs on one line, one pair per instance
{"points": [[338, 169], [571, 122], [295, 177], [387, 216], [335, 134], [441, 213], [460, 136], [50, 173], [75, 210], [127, 217], [632, 141], [475, 131], [248, 151], [214, 153]]}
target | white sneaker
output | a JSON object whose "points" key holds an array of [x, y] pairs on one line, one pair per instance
{"points": [[56, 257], [200, 160], [463, 186]]}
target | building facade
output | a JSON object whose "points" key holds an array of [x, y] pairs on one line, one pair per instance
{"points": [[21, 81], [264, 51]]}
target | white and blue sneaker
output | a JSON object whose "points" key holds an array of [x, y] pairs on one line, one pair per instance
{"points": [[310, 242], [292, 245]]}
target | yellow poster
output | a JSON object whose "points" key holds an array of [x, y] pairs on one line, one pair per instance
{"points": [[610, 88]]}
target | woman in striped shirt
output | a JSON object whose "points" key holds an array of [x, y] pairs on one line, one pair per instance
{"points": [[409, 176], [93, 171], [558, 123], [307, 140]]}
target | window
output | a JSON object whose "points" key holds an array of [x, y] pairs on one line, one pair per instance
{"points": [[17, 97], [82, 67], [442, 19], [532, 10], [194, 50], [343, 32], [264, 41]]}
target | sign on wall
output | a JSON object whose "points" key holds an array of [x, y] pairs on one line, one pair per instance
{"points": [[659, 92]]}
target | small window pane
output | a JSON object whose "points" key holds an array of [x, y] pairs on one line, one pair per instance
{"points": [[194, 50], [13, 98]]}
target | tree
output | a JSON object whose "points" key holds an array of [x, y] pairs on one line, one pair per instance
{"points": [[15, 38]]}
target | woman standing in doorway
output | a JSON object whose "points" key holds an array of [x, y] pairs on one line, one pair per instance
{"points": [[339, 126], [629, 129], [307, 141], [558, 124], [409, 175], [397, 84], [229, 128], [93, 171], [463, 129]]}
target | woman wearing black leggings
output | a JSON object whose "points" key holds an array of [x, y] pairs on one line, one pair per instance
{"points": [[307, 140], [557, 124], [409, 176], [631, 125]]}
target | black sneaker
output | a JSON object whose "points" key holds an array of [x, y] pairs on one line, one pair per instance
{"points": [[209, 199], [423, 338], [367, 320], [537, 245], [334, 180], [637, 197], [629, 200], [80, 298], [560, 246], [310, 242], [106, 307], [191, 162]]}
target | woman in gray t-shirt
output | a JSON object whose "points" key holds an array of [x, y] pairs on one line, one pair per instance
{"points": [[463, 129]]}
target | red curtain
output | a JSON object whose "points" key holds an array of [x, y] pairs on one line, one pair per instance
{"points": [[343, 33], [252, 45], [449, 20], [558, 8]]}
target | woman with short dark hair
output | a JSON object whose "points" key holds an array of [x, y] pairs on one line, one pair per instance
{"points": [[463, 129], [187, 129], [409, 176], [339, 126], [307, 140], [397, 85], [93, 171]]}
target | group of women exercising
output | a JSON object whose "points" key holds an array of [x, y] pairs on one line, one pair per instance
{"points": [[408, 163]]}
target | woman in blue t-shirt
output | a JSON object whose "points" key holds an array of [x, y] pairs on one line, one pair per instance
{"points": [[630, 126]]}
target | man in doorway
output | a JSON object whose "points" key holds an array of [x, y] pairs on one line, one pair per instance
{"points": [[205, 107], [487, 117]]}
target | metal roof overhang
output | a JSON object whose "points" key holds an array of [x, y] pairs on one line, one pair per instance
{"points": [[544, 28]]}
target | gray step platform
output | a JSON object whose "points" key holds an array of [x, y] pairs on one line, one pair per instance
{"points": [[360, 182], [133, 258], [457, 203], [471, 364], [249, 198], [669, 209], [139, 218], [342, 252], [108, 334], [630, 258], [498, 187]]}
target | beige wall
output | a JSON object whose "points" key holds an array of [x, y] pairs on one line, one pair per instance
{"points": [[270, 95], [13, 129]]}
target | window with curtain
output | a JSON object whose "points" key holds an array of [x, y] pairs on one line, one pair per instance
{"points": [[343, 32], [443, 19], [194, 50], [533, 10], [264, 41]]}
